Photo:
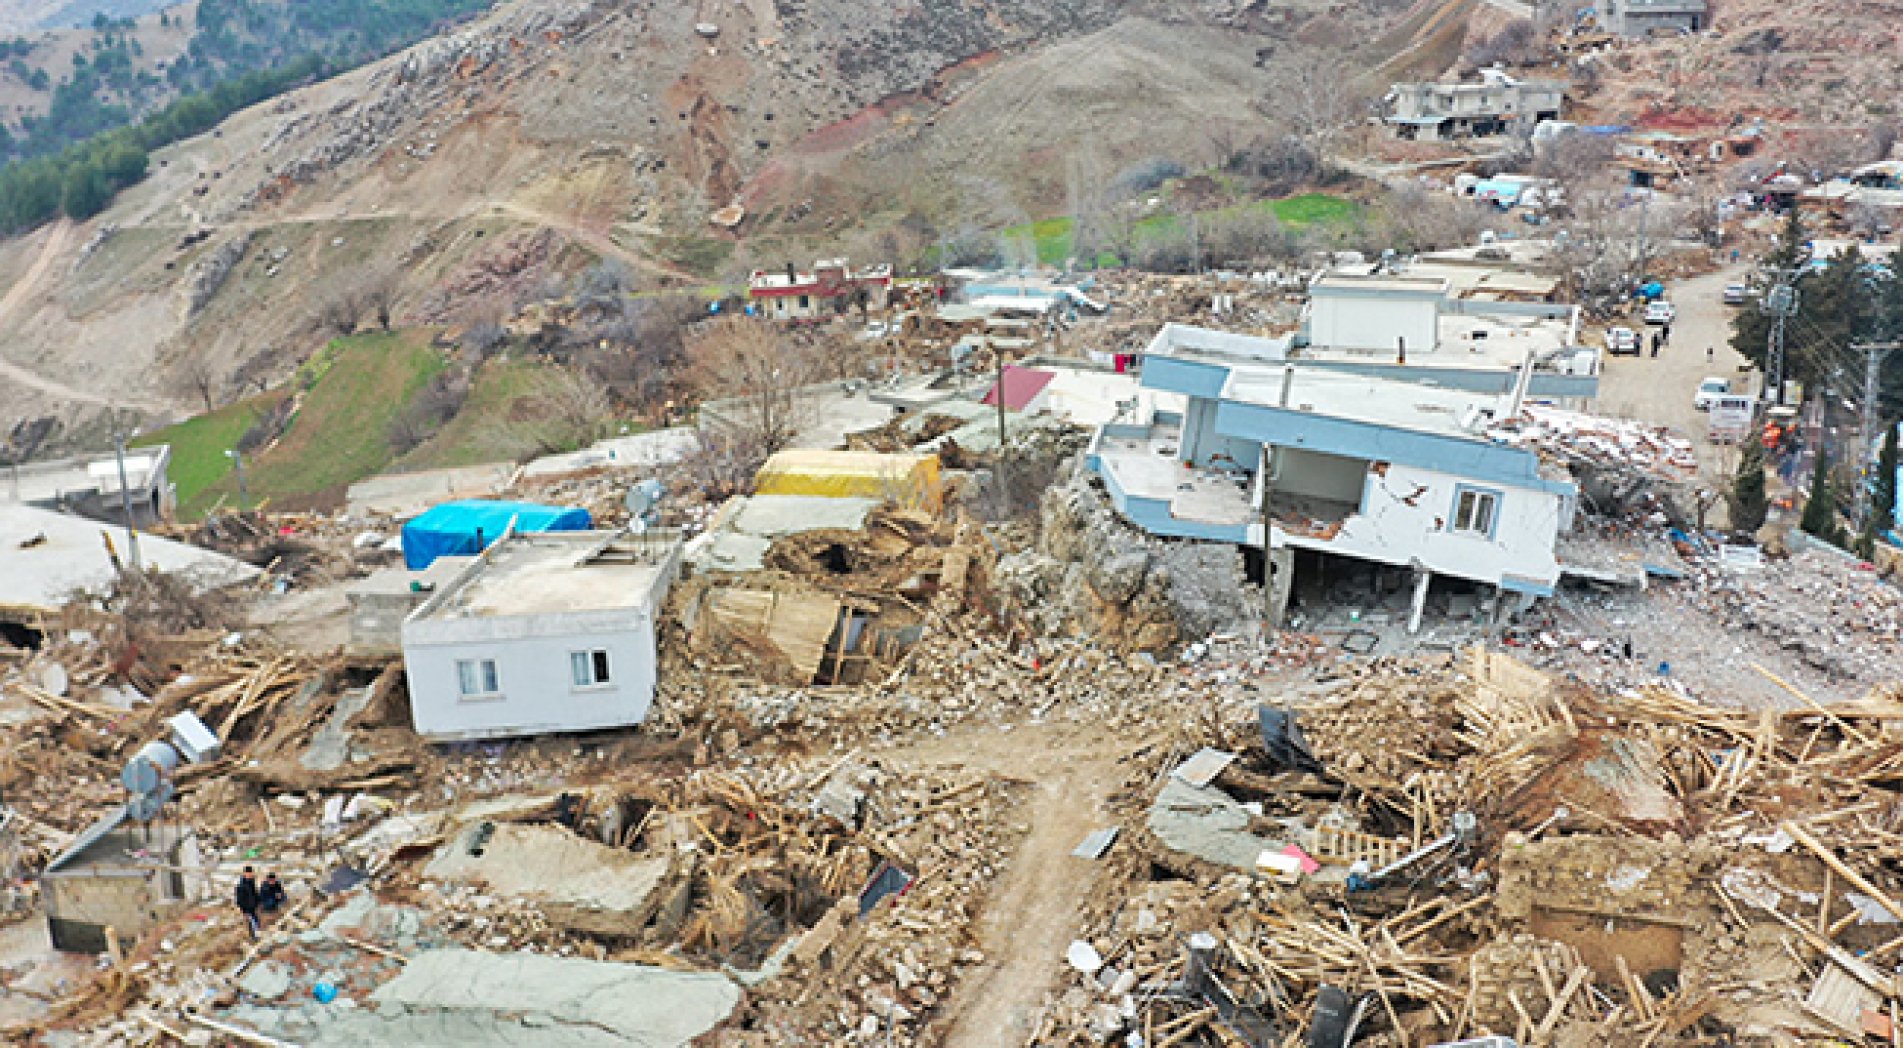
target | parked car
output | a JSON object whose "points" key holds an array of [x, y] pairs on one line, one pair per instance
{"points": [[1622, 342], [1737, 294], [1709, 391], [1660, 312]]}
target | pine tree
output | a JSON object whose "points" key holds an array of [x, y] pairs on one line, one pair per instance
{"points": [[1820, 507], [1881, 515], [1749, 505], [85, 192]]}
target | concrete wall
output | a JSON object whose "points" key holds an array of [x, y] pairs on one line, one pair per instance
{"points": [[376, 621], [1345, 321], [1318, 475], [107, 888], [532, 669], [1406, 515]]}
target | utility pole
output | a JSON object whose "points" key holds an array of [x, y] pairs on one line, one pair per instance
{"points": [[237, 461], [125, 497], [1780, 304], [1874, 355], [1645, 205], [998, 355]]}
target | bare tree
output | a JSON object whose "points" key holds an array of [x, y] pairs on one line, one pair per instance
{"points": [[1516, 43], [199, 373], [568, 410], [342, 311], [1595, 249], [1882, 139], [484, 337], [1573, 160], [1312, 94], [1415, 217], [1699, 198], [1866, 220], [751, 382], [379, 299]]}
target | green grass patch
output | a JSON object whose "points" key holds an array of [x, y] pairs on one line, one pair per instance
{"points": [[199, 444], [1052, 237], [702, 256], [340, 432], [477, 434], [1314, 209]]}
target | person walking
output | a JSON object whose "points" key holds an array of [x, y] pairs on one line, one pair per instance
{"points": [[1708, 352], [271, 893], [1655, 344], [247, 898], [1665, 333]]}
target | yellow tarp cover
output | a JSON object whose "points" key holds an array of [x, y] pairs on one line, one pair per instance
{"points": [[911, 481]]}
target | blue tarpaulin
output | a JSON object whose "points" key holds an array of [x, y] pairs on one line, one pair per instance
{"points": [[466, 528]]}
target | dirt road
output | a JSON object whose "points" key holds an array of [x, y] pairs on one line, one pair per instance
{"points": [[1031, 915], [18, 296], [1660, 389]]}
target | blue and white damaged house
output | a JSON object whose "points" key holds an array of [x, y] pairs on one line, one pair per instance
{"points": [[1286, 448]]}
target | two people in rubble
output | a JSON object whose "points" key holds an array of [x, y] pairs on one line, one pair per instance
{"points": [[254, 898]]}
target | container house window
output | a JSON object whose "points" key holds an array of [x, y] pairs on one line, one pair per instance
{"points": [[588, 669]]}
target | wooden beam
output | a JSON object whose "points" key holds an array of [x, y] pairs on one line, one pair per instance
{"points": [[1850, 876]]}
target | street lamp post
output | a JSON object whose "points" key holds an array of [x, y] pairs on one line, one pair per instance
{"points": [[237, 461]]}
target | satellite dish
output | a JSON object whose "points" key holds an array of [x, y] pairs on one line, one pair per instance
{"points": [[140, 776], [643, 500], [148, 779]]}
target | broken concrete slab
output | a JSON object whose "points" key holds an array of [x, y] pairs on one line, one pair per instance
{"points": [[267, 981], [477, 1000], [1203, 767], [579, 883], [747, 526], [1207, 824]]}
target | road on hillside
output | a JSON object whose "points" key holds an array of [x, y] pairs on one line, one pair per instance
{"points": [[1659, 390], [19, 296]]}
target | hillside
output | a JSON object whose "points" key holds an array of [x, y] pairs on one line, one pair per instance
{"points": [[542, 137], [1817, 63], [24, 16]]}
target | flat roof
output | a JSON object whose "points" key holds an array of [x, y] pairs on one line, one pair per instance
{"points": [[550, 572], [395, 582], [1358, 398], [1465, 278], [1188, 340], [1382, 283], [51, 479], [46, 555]]}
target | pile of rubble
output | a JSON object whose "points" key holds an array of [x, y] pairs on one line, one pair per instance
{"points": [[1447, 849], [1092, 574], [1827, 611], [1604, 443]]}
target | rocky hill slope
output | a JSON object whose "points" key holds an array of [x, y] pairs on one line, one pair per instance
{"points": [[549, 134]]}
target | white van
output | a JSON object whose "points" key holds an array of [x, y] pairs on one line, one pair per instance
{"points": [[1730, 417]]}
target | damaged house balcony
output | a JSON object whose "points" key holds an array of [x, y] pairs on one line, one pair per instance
{"points": [[1279, 457]]}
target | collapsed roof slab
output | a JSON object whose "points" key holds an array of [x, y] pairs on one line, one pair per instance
{"points": [[582, 885], [45, 556], [521, 1000]]}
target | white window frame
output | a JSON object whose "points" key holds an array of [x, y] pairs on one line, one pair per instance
{"points": [[467, 670], [595, 665], [1492, 500]]}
